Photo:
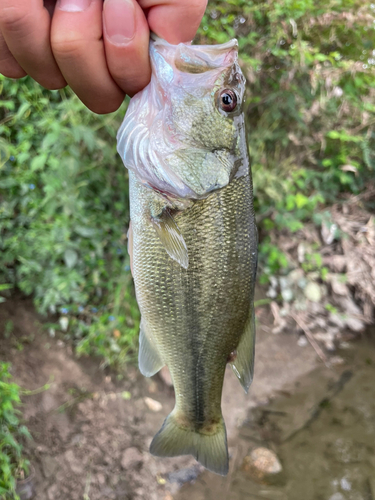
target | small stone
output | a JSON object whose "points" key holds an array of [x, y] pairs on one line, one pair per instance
{"points": [[302, 341], [313, 292], [64, 323], [186, 475], [339, 287], [337, 496], [153, 405], [296, 275], [284, 282], [272, 293], [321, 322], [100, 478], [336, 360], [49, 465], [76, 465], [287, 294], [262, 463], [354, 324], [337, 320], [53, 492], [131, 458]]}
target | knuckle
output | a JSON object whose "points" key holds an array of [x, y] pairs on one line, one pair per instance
{"points": [[68, 48], [14, 19]]}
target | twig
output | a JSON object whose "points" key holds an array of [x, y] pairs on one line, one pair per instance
{"points": [[312, 341]]}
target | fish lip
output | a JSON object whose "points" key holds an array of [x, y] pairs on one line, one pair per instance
{"points": [[231, 44]]}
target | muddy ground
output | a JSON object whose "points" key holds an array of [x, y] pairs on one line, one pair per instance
{"points": [[91, 431]]}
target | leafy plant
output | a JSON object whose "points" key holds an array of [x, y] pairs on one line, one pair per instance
{"points": [[13, 465], [65, 211]]}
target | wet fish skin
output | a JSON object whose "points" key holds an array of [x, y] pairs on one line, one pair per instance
{"points": [[194, 251]]}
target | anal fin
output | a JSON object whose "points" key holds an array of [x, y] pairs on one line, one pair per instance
{"points": [[171, 237], [243, 364], [149, 359]]}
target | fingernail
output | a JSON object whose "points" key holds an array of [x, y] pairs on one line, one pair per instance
{"points": [[119, 20], [73, 5]]}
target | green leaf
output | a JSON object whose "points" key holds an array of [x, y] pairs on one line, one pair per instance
{"points": [[70, 257], [38, 162]]}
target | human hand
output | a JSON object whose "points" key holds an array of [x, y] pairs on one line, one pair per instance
{"points": [[100, 50]]}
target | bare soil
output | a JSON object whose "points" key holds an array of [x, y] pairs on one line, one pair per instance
{"points": [[91, 428]]}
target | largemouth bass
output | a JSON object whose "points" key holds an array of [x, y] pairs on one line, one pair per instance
{"points": [[193, 240]]}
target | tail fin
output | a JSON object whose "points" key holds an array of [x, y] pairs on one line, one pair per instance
{"points": [[209, 448]]}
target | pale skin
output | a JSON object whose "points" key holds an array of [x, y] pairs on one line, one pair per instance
{"points": [[99, 49]]}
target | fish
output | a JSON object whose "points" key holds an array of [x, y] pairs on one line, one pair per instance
{"points": [[192, 237]]}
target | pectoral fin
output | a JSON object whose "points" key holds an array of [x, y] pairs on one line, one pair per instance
{"points": [[171, 237], [149, 359], [243, 365]]}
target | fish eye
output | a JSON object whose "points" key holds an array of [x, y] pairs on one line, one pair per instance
{"points": [[227, 100]]}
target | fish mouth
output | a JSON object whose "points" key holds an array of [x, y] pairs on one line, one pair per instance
{"points": [[195, 59]]}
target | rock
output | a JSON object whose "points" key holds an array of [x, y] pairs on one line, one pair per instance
{"points": [[313, 292], [336, 360], [348, 306], [337, 496], [53, 492], [100, 478], [339, 287], [337, 320], [284, 282], [296, 275], [302, 341], [287, 294], [328, 232], [263, 465], [354, 324], [131, 458], [75, 465], [153, 405], [186, 475], [301, 251], [49, 465], [321, 322]]}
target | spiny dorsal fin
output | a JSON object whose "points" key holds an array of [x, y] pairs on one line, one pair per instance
{"points": [[171, 237]]}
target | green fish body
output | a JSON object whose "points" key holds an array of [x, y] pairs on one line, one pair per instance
{"points": [[193, 240]]}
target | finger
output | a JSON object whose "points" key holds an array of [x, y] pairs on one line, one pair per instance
{"points": [[9, 67], [77, 45], [126, 41], [25, 25], [174, 20]]}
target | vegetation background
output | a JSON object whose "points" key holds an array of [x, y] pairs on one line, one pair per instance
{"points": [[64, 208]]}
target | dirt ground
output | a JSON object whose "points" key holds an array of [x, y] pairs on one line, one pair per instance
{"points": [[91, 431]]}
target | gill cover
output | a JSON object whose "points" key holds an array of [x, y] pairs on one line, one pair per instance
{"points": [[176, 136]]}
